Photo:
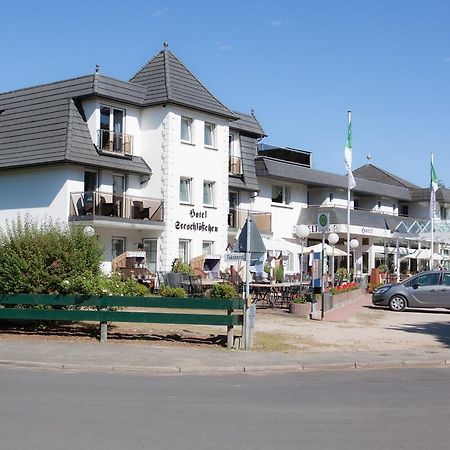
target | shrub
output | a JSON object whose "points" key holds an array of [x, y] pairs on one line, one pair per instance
{"points": [[44, 258], [176, 292], [178, 266], [222, 290], [302, 299], [383, 268], [278, 274]]}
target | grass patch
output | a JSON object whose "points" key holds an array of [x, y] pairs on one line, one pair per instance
{"points": [[272, 342]]}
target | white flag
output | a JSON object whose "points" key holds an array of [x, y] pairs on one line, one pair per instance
{"points": [[348, 156], [434, 186]]}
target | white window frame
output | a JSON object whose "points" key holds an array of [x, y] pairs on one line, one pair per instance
{"points": [[189, 190], [184, 250], [210, 130], [147, 244], [209, 245], [210, 186], [189, 121], [285, 194]]}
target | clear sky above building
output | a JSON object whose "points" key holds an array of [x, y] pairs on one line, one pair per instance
{"points": [[299, 64]]}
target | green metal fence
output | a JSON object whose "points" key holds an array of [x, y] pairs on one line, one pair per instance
{"points": [[71, 308]]}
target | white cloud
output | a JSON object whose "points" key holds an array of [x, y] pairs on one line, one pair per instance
{"points": [[224, 47], [276, 23]]}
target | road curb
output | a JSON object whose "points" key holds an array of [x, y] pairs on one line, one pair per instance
{"points": [[248, 369]]}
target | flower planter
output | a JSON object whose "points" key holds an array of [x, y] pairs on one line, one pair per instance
{"points": [[300, 309]]}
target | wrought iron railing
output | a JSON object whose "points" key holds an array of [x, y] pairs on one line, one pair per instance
{"points": [[111, 205], [111, 141]]}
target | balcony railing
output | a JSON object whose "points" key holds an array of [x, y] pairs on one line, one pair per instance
{"points": [[237, 218], [235, 165], [111, 141], [111, 205]]}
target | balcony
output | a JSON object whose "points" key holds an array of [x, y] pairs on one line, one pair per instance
{"points": [[102, 204], [235, 165], [118, 143], [237, 218]]}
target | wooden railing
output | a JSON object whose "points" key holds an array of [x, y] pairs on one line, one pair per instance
{"points": [[103, 310]]}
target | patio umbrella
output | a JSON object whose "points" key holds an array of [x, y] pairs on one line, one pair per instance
{"points": [[328, 250]]}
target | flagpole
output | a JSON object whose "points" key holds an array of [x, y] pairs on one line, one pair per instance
{"points": [[348, 208], [432, 211]]}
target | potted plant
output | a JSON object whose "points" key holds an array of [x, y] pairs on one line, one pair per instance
{"points": [[383, 268], [300, 305]]}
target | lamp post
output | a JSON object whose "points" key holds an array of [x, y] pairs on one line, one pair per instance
{"points": [[333, 239], [302, 232], [354, 244]]}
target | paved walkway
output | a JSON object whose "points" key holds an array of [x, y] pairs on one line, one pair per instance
{"points": [[159, 359]]}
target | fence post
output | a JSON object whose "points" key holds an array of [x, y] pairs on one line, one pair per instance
{"points": [[230, 331], [103, 331]]}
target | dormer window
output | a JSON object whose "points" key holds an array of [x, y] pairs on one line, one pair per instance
{"points": [[234, 152], [111, 135]]}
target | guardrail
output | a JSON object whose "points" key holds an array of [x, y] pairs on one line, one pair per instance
{"points": [[98, 309]]}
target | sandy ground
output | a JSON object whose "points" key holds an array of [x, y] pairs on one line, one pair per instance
{"points": [[370, 329]]}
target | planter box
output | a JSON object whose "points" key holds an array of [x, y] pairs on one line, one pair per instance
{"points": [[346, 297], [300, 309]]}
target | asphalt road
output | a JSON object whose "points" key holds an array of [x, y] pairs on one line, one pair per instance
{"points": [[367, 409]]}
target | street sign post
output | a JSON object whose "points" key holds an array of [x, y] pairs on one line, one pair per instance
{"points": [[234, 256]]}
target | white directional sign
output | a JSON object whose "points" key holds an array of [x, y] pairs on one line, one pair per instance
{"points": [[235, 256]]}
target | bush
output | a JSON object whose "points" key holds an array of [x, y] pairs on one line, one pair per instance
{"points": [[177, 292], [302, 299], [278, 274], [223, 290], [179, 266], [44, 258]]}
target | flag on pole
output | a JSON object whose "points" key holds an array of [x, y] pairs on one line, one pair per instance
{"points": [[434, 186], [348, 154]]}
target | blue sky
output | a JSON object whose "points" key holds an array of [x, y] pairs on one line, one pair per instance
{"points": [[299, 64]]}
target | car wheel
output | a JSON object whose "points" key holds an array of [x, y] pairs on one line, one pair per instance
{"points": [[397, 303]]}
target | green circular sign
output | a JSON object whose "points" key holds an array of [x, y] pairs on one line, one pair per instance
{"points": [[323, 220]]}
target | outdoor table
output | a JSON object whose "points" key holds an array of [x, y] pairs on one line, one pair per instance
{"points": [[276, 294]]}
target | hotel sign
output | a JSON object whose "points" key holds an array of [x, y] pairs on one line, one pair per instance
{"points": [[366, 230], [196, 224]]}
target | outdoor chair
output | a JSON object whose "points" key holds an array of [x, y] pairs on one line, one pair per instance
{"points": [[195, 286]]}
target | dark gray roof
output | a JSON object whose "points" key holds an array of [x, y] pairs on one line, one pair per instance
{"points": [[167, 80], [44, 125], [423, 195], [273, 168], [248, 123], [248, 180], [372, 173]]}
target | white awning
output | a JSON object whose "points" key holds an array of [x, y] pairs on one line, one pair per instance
{"points": [[328, 249], [423, 254], [282, 245]]}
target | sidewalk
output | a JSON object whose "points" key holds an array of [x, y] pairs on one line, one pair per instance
{"points": [[159, 359]]}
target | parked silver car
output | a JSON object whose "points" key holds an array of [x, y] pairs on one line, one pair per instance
{"points": [[425, 290]]}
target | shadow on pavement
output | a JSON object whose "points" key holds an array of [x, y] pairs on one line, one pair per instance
{"points": [[441, 331]]}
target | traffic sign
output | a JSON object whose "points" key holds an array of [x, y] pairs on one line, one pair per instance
{"points": [[323, 222]]}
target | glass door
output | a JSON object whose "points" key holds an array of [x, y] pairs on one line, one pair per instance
{"points": [[118, 191], [151, 253]]}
